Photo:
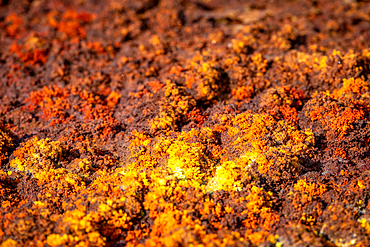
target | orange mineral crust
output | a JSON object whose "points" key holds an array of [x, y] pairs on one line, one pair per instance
{"points": [[184, 123]]}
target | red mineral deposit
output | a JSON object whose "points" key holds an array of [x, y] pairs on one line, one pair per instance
{"points": [[184, 123]]}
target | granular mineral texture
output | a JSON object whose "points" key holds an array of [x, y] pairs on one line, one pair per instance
{"points": [[184, 123]]}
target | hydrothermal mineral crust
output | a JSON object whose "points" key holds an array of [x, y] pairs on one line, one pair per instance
{"points": [[184, 123]]}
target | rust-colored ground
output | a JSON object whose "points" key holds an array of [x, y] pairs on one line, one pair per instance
{"points": [[184, 123]]}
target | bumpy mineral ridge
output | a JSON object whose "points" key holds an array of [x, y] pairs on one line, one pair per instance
{"points": [[184, 123]]}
